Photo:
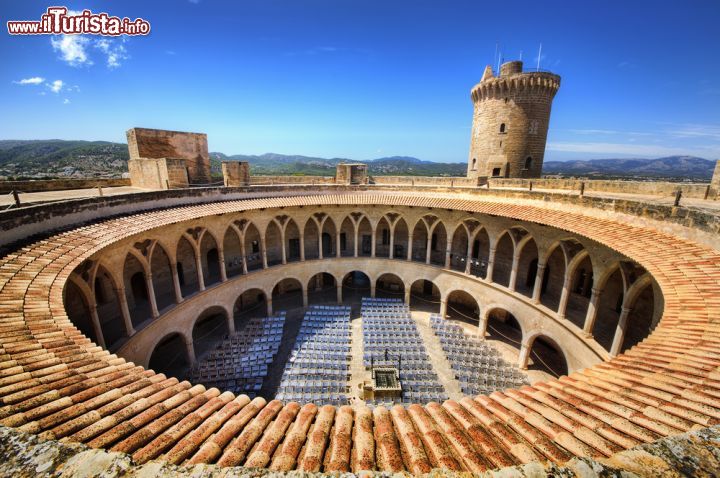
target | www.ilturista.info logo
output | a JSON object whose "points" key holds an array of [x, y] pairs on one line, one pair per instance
{"points": [[59, 20]]}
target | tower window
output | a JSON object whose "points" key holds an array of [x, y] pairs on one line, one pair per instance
{"points": [[502, 128], [496, 172], [528, 162], [474, 164]]}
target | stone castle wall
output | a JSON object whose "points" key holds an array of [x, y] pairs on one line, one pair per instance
{"points": [[60, 184]]}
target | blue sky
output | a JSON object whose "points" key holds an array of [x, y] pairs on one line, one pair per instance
{"points": [[364, 79]]}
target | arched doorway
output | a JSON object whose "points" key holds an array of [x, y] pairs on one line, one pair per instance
{"points": [[232, 251], [347, 238], [419, 241], [187, 268], [581, 284], [170, 356], [425, 296], [382, 238], [503, 327], [209, 329], [136, 291], [640, 318], [78, 310], [292, 241], [527, 268], [287, 295], [273, 244], [547, 356], [459, 249], [463, 307], [327, 239], [502, 266], [210, 259], [311, 238], [365, 238], [389, 286], [400, 239], [609, 309], [355, 286], [250, 304], [480, 254], [322, 289], [253, 248], [162, 278], [438, 245], [108, 308]]}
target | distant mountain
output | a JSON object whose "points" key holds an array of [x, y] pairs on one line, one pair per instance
{"points": [[671, 167]]}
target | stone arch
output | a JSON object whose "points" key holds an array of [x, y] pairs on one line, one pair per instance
{"points": [[365, 237], [253, 242], [389, 285], [400, 239], [347, 237], [459, 248], [425, 295], [527, 266], [463, 307], [162, 277], [292, 241], [187, 267], [328, 238], [210, 258], [580, 283], [171, 355], [501, 325], [136, 291], [210, 327], [480, 253], [232, 250], [250, 303], [355, 286], [545, 354], [287, 294], [322, 288], [382, 238], [273, 244], [609, 308], [77, 301], [502, 265], [311, 239], [108, 307], [553, 278], [640, 304]]}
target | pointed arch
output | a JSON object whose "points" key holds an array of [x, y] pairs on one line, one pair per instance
{"points": [[187, 267]]}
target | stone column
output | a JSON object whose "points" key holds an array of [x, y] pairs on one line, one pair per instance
{"points": [[524, 356], [302, 246], [448, 249], [620, 332], [372, 290], [355, 243], [537, 288], [221, 263], [491, 265], [338, 253], [407, 296], [339, 294], [190, 349], [198, 266], [410, 246], [428, 248], [125, 311], [320, 242], [564, 296], [283, 249], [514, 272], [592, 312], [243, 252], [95, 320], [231, 325], [443, 308], [373, 242], [263, 250], [269, 307], [391, 254], [305, 296], [482, 325], [151, 296], [176, 283], [468, 257]]}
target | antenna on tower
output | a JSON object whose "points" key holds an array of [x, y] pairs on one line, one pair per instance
{"points": [[539, 55]]}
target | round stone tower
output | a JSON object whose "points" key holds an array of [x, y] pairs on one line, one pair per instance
{"points": [[510, 122]]}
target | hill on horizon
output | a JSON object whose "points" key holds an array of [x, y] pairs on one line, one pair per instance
{"points": [[68, 159]]}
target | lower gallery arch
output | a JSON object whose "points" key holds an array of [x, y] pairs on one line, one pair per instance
{"points": [[108, 308], [251, 303], [209, 328], [389, 286], [502, 264], [287, 294], [210, 258], [172, 355], [187, 268], [545, 355], [503, 326], [581, 284], [355, 286], [322, 288], [136, 290], [463, 307], [553, 278], [609, 309], [162, 278], [78, 310], [527, 268], [425, 296], [640, 318]]}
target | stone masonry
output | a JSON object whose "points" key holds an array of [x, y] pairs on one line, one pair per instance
{"points": [[236, 173]]}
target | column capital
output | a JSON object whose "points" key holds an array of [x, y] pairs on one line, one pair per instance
{"points": [[541, 266], [596, 291]]}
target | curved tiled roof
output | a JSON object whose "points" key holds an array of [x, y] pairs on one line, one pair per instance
{"points": [[56, 383]]}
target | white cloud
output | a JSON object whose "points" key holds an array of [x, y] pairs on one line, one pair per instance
{"points": [[638, 150], [72, 49], [114, 51], [56, 86], [35, 80], [66, 101]]}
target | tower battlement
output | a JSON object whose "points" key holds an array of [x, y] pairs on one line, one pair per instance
{"points": [[510, 122]]}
